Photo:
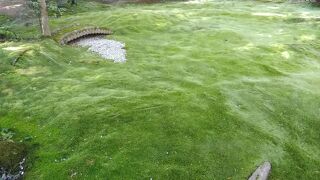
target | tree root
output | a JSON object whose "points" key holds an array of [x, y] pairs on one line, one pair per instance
{"points": [[20, 55]]}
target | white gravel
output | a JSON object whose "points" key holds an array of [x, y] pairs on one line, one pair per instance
{"points": [[108, 49]]}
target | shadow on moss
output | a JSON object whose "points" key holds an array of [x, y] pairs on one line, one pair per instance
{"points": [[11, 154]]}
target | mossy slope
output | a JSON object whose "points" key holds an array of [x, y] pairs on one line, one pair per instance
{"points": [[209, 91]]}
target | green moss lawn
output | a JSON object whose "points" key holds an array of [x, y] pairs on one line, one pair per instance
{"points": [[210, 90]]}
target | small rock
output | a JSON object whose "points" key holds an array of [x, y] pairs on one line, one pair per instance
{"points": [[262, 172]]}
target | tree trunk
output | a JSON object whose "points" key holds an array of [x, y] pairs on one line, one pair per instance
{"points": [[44, 20], [59, 3], [73, 2]]}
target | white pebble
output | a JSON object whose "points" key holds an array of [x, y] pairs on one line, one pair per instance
{"points": [[108, 49]]}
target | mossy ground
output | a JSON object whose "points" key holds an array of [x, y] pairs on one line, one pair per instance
{"points": [[209, 91]]}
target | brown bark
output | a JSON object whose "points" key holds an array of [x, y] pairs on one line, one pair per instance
{"points": [[44, 20]]}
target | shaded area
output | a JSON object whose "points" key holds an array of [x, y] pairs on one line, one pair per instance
{"points": [[12, 157]]}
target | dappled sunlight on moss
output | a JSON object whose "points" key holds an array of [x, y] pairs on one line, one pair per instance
{"points": [[34, 70], [308, 37], [197, 2], [248, 46], [16, 46], [7, 92], [285, 54], [13, 48], [309, 16], [267, 14]]}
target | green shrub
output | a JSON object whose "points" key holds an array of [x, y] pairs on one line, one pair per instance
{"points": [[6, 34], [6, 134]]}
